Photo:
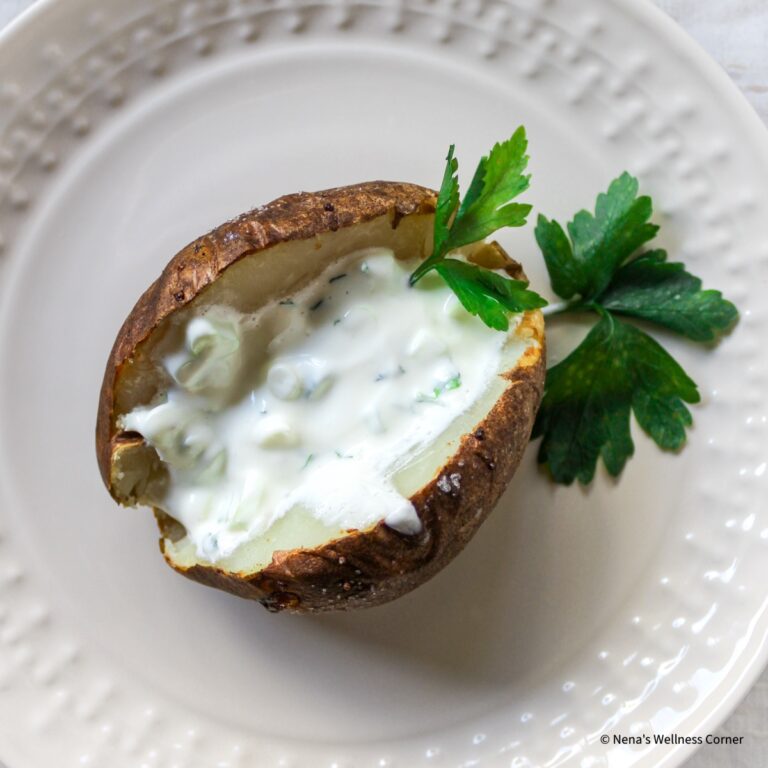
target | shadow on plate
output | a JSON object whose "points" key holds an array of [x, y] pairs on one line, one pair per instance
{"points": [[510, 605]]}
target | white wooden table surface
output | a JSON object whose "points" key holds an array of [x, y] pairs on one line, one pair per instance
{"points": [[735, 32]]}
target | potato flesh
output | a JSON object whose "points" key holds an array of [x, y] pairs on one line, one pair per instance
{"points": [[280, 271]]}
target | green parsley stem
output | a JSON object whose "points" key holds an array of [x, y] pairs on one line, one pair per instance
{"points": [[561, 307], [557, 308], [424, 267]]}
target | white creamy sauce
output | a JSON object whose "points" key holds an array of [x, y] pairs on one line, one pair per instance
{"points": [[354, 376]]}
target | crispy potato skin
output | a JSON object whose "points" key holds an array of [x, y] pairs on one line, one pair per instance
{"points": [[363, 569], [300, 216]]}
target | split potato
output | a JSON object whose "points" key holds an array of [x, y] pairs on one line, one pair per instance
{"points": [[255, 260]]}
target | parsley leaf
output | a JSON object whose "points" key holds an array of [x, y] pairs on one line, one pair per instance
{"points": [[619, 369], [447, 202], [599, 243], [663, 293], [586, 411], [488, 294], [487, 207]]}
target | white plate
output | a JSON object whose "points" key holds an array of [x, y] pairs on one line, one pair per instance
{"points": [[127, 128]]}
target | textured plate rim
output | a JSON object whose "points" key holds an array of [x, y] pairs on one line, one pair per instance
{"points": [[676, 37]]}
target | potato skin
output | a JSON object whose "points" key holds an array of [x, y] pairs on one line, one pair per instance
{"points": [[300, 216], [362, 569]]}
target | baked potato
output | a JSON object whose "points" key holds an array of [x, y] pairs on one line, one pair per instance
{"points": [[222, 301]]}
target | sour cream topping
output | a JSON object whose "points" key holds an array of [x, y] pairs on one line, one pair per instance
{"points": [[313, 403]]}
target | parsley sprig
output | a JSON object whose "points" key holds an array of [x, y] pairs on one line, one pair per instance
{"points": [[619, 369], [487, 207], [596, 265]]}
